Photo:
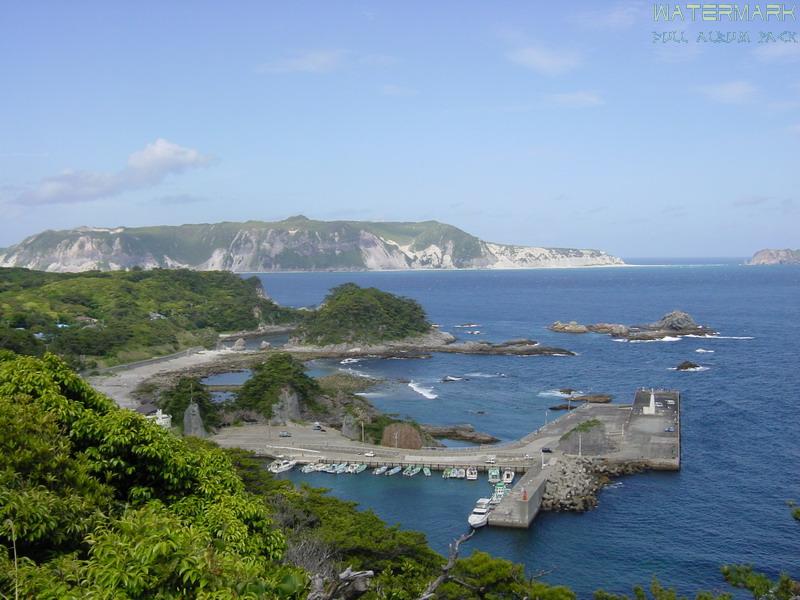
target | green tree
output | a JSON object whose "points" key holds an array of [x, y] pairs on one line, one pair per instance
{"points": [[280, 371]]}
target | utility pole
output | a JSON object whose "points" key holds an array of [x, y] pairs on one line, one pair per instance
{"points": [[362, 432]]}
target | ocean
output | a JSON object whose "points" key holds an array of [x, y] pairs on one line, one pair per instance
{"points": [[740, 419]]}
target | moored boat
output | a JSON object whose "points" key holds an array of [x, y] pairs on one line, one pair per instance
{"points": [[341, 468], [508, 476], [380, 470], [446, 473], [426, 471], [360, 468], [393, 471], [472, 473], [309, 468], [494, 475], [283, 466]]}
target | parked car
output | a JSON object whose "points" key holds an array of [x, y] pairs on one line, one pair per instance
{"points": [[370, 454], [546, 450], [284, 434]]}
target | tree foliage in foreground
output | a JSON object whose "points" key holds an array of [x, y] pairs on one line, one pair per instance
{"points": [[101, 503]]}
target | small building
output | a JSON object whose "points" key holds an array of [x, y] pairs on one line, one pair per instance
{"points": [[161, 419]]}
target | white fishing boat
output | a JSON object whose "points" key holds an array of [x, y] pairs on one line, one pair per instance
{"points": [[447, 473], [472, 474], [426, 471], [360, 468], [283, 466], [320, 466], [480, 514], [341, 468], [351, 468], [380, 470], [508, 476], [393, 471], [309, 468]]}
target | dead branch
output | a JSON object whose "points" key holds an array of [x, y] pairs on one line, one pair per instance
{"points": [[451, 562], [350, 584]]}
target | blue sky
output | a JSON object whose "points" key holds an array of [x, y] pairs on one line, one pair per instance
{"points": [[556, 124]]}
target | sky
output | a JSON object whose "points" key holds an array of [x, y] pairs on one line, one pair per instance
{"points": [[524, 122]]}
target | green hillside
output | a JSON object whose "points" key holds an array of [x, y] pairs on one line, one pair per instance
{"points": [[114, 317]]}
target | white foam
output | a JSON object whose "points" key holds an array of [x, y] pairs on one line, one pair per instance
{"points": [[704, 351], [667, 338], [355, 373], [350, 361], [721, 337], [557, 394], [692, 370], [485, 375], [425, 392]]}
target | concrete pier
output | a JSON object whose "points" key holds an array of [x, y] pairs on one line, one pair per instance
{"points": [[646, 433]]}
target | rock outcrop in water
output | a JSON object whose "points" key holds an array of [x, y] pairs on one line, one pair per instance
{"points": [[687, 365], [463, 432], [675, 323], [295, 244]]}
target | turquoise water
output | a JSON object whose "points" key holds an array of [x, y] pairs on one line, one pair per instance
{"points": [[741, 459]]}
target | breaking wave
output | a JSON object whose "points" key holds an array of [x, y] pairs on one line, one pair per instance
{"points": [[704, 351], [425, 392]]}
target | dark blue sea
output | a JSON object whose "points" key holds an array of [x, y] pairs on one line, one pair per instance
{"points": [[741, 420]]}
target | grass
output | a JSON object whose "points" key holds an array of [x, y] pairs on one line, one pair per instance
{"points": [[583, 427]]}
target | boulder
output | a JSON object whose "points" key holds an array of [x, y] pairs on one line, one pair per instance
{"points": [[401, 435], [239, 345], [571, 327], [264, 345], [677, 320], [287, 408], [687, 365], [193, 422]]}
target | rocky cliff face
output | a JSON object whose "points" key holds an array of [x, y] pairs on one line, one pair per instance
{"points": [[294, 244], [775, 257]]}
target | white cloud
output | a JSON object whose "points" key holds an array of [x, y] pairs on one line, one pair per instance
{"points": [[579, 99], [543, 60], [315, 61], [146, 168], [731, 92], [622, 15], [778, 52], [391, 89]]}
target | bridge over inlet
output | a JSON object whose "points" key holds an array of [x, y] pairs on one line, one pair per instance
{"points": [[646, 432]]}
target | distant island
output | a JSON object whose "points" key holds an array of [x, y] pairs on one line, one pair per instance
{"points": [[775, 257], [294, 244]]}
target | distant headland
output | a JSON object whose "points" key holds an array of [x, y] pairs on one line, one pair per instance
{"points": [[294, 244], [775, 257]]}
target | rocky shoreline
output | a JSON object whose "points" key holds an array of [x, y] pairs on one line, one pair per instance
{"points": [[433, 341], [574, 482], [463, 432]]}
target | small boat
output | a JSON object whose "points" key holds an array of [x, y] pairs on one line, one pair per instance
{"points": [[351, 468], [494, 475], [320, 467], [508, 476], [426, 471], [283, 466], [499, 493], [472, 474], [461, 474], [309, 468], [380, 470], [451, 378], [478, 517], [341, 468], [360, 468], [447, 472], [407, 470], [393, 471], [414, 470], [331, 468]]}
